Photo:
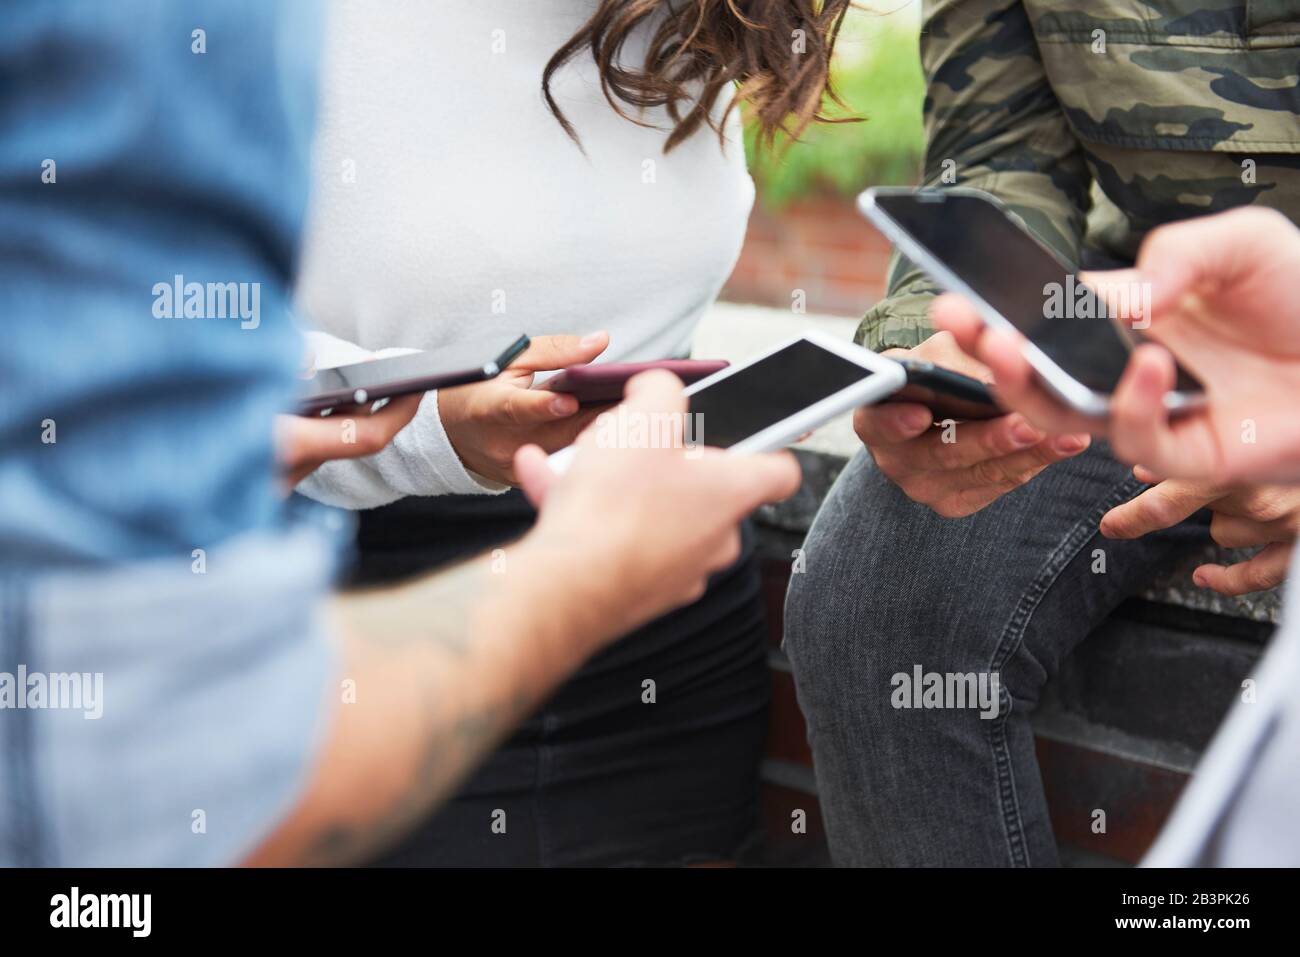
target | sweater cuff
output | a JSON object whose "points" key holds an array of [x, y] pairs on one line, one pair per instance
{"points": [[440, 455]]}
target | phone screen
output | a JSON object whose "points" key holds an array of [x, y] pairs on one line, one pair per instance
{"points": [[772, 389], [1027, 285]]}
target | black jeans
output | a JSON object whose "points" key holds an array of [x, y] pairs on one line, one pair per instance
{"points": [[599, 776], [1010, 591]]}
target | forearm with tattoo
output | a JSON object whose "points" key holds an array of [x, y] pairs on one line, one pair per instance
{"points": [[435, 674]]}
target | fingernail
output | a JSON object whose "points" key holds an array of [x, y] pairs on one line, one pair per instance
{"points": [[1068, 444], [592, 339], [561, 405], [914, 420], [1026, 434]]}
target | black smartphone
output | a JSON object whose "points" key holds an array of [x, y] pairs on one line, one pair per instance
{"points": [[970, 244], [948, 394], [363, 382]]}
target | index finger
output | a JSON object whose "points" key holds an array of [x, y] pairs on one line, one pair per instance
{"points": [[891, 423], [1161, 506], [1140, 427], [545, 353]]}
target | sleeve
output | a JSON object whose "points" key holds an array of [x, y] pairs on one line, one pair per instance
{"points": [[197, 749], [419, 461], [993, 123]]}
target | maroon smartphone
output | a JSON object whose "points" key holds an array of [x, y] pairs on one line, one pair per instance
{"points": [[604, 382]]}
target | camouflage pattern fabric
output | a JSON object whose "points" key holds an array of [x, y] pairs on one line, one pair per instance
{"points": [[1097, 121]]}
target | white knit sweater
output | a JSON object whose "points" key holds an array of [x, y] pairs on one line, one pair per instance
{"points": [[449, 207]]}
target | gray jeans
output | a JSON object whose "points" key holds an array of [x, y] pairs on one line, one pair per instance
{"points": [[890, 587]]}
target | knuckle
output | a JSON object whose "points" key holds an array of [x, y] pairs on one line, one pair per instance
{"points": [[1154, 510], [997, 439], [1120, 525], [946, 456], [989, 473], [510, 411], [1221, 533], [1265, 508], [1023, 477], [1257, 577], [877, 426], [1044, 454], [500, 456]]}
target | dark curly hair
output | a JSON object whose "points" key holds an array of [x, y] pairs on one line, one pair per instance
{"points": [[775, 53]]}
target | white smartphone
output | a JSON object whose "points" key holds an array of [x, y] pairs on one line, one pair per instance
{"points": [[971, 245], [767, 402]]}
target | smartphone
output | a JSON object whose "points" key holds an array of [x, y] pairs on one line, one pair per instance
{"points": [[948, 394], [604, 382], [363, 382], [767, 402], [970, 244]]}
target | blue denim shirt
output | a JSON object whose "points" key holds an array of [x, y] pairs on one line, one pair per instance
{"points": [[149, 149], [143, 141]]}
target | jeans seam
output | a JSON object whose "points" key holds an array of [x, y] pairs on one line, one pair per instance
{"points": [[1013, 637]]}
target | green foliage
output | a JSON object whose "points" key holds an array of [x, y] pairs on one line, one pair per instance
{"points": [[877, 74]]}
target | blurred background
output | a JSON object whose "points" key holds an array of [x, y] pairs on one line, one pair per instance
{"points": [[805, 232]]}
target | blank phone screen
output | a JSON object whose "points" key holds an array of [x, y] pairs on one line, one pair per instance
{"points": [[772, 389], [1009, 270]]}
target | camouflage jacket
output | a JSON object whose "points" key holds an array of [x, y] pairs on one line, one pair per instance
{"points": [[1097, 120]]}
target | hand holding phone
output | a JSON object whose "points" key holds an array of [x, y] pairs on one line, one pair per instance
{"points": [[304, 443], [663, 521], [769, 401], [362, 383], [947, 394], [487, 423], [969, 244], [1228, 306], [968, 463]]}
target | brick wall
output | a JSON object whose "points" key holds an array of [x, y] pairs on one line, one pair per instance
{"points": [[820, 245]]}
